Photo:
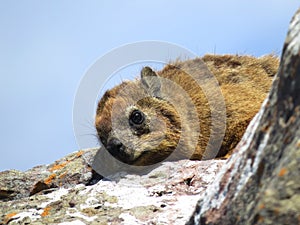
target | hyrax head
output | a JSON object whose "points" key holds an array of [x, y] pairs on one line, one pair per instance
{"points": [[135, 123]]}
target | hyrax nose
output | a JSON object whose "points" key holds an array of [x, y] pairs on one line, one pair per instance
{"points": [[115, 146]]}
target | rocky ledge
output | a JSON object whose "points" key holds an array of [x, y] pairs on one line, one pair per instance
{"points": [[69, 192], [259, 184]]}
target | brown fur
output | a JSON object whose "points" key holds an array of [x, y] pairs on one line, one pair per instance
{"points": [[245, 82]]}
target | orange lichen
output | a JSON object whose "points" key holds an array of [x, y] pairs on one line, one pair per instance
{"points": [[49, 179], [78, 154], [62, 165], [9, 216], [46, 211], [261, 206], [298, 144], [61, 176], [282, 172], [58, 166]]}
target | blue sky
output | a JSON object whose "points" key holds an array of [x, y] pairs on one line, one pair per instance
{"points": [[47, 46]]}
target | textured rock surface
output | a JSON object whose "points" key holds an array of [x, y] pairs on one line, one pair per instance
{"points": [[261, 183], [70, 170], [166, 195]]}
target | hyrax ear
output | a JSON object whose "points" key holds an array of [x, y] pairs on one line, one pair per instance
{"points": [[151, 82]]}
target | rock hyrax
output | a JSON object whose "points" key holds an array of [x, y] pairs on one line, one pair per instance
{"points": [[142, 122]]}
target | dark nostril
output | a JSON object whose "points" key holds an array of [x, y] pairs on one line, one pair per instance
{"points": [[114, 145], [115, 142]]}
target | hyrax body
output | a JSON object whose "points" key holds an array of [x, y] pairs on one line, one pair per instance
{"points": [[144, 121]]}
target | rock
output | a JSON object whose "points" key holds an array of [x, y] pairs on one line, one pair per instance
{"points": [[72, 169], [166, 195], [260, 183]]}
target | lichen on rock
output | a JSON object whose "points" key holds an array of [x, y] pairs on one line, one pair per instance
{"points": [[166, 195]]}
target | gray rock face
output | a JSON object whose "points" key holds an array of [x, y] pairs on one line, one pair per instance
{"points": [[70, 170], [166, 195], [261, 182]]}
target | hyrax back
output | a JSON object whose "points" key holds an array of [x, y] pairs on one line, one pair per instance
{"points": [[144, 121]]}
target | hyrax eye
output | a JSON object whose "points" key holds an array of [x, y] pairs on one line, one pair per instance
{"points": [[136, 117]]}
